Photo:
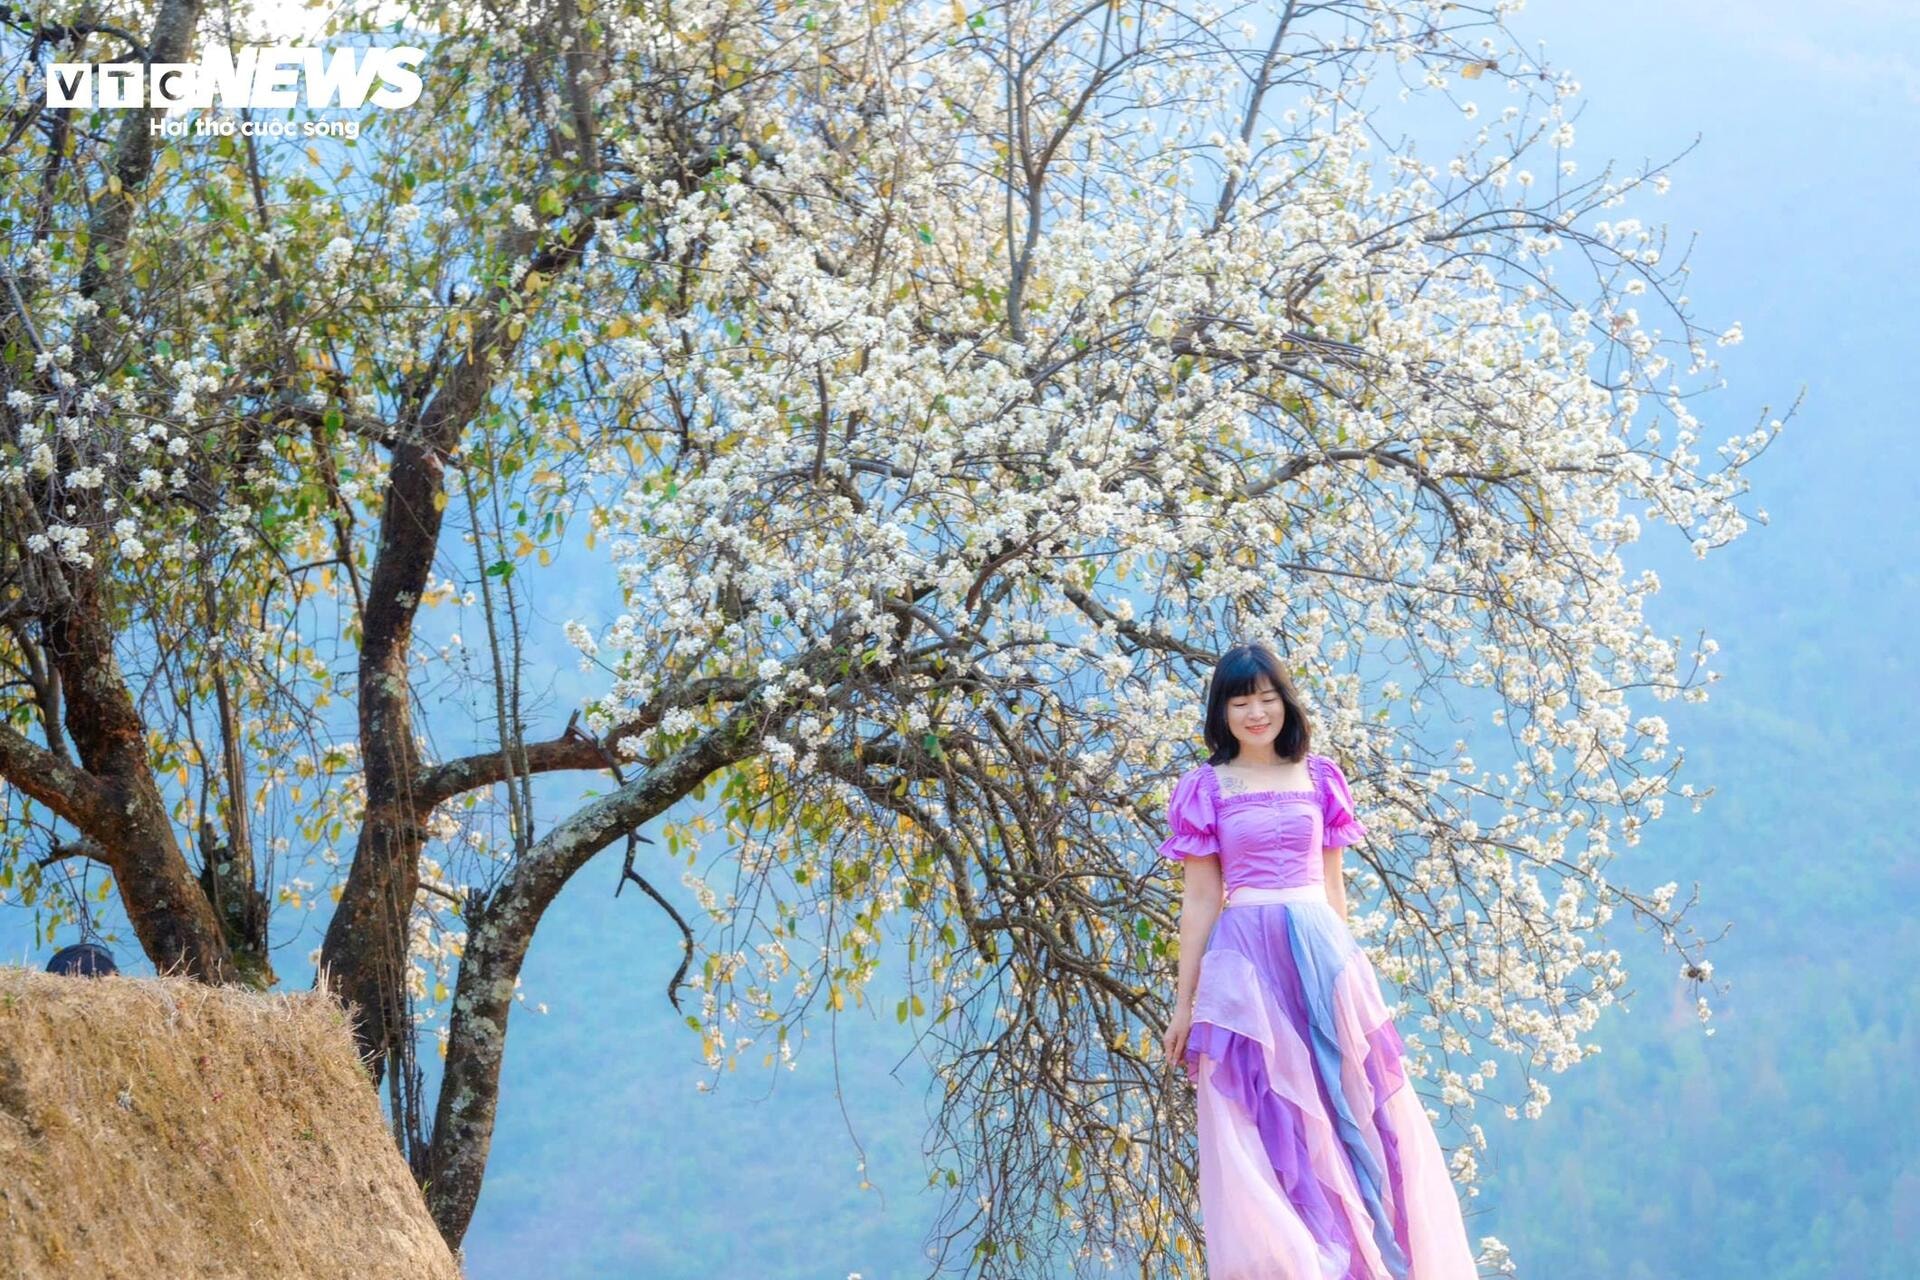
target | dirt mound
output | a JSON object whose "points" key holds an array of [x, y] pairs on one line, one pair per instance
{"points": [[160, 1127]]}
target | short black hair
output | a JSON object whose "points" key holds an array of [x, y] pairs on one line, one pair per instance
{"points": [[1238, 672]]}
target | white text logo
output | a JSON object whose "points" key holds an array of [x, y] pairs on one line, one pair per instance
{"points": [[255, 77]]}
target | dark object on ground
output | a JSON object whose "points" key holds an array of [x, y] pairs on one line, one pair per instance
{"points": [[82, 959]]}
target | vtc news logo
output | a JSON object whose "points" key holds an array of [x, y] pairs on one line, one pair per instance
{"points": [[267, 77]]}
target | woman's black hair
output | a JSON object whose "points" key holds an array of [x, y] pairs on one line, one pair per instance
{"points": [[1238, 672]]}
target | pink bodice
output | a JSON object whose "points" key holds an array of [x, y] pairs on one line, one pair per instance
{"points": [[1269, 838]]}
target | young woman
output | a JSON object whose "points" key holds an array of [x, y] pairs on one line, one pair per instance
{"points": [[1317, 1159]]}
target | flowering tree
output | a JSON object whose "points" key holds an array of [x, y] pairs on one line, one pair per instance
{"points": [[945, 387]]}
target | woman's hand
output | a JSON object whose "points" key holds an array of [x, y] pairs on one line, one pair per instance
{"points": [[1173, 1041]]}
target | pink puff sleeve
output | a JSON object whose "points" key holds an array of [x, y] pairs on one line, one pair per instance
{"points": [[1343, 825], [1190, 815]]}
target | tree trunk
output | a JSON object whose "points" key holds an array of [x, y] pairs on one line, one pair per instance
{"points": [[171, 916], [497, 944], [364, 955]]}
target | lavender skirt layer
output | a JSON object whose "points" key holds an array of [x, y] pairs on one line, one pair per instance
{"points": [[1317, 1160]]}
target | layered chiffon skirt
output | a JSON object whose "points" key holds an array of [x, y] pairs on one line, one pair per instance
{"points": [[1317, 1159]]}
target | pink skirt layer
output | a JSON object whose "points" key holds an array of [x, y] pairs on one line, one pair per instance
{"points": [[1317, 1159]]}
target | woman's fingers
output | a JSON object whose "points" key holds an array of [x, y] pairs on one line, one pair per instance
{"points": [[1174, 1043]]}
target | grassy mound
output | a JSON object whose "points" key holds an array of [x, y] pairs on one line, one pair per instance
{"points": [[160, 1127]]}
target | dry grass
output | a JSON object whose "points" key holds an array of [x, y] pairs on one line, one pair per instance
{"points": [[157, 1127]]}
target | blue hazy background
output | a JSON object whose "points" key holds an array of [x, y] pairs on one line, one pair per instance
{"points": [[1785, 1146]]}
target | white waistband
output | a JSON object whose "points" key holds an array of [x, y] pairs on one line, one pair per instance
{"points": [[1254, 895]]}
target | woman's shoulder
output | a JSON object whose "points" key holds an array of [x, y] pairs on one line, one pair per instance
{"points": [[1326, 773], [1198, 784], [1201, 776]]}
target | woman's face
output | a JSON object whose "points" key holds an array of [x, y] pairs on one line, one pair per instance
{"points": [[1256, 718]]}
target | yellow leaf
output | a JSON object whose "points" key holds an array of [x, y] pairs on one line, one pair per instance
{"points": [[546, 557], [440, 500]]}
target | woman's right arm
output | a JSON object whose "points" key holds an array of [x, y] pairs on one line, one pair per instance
{"points": [[1200, 905], [1194, 842]]}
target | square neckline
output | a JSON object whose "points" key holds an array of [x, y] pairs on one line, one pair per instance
{"points": [[1289, 791]]}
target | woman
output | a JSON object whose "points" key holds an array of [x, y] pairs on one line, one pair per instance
{"points": [[1317, 1159]]}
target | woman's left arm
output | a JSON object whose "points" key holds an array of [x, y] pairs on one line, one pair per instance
{"points": [[1335, 881]]}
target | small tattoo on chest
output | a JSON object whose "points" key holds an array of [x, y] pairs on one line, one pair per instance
{"points": [[1234, 785]]}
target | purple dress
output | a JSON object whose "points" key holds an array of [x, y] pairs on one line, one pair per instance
{"points": [[1317, 1159]]}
